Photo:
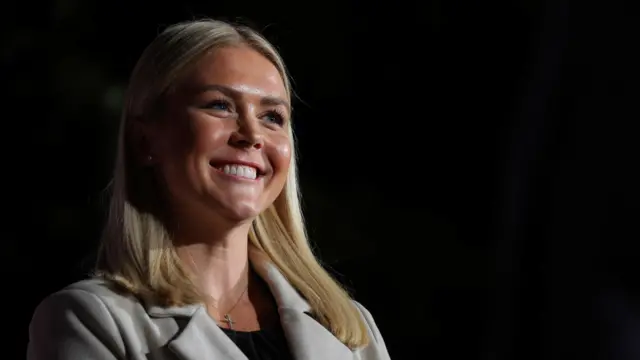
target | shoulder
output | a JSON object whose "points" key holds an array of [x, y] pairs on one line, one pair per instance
{"points": [[91, 297], [92, 285], [368, 320], [82, 317], [376, 342], [91, 294], [88, 299]]}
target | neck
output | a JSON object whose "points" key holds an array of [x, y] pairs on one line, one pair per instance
{"points": [[219, 259]]}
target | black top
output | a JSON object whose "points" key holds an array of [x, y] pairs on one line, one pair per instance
{"points": [[264, 344]]}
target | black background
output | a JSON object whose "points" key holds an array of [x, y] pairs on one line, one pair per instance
{"points": [[468, 168]]}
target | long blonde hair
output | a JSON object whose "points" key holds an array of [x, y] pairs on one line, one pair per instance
{"points": [[136, 251]]}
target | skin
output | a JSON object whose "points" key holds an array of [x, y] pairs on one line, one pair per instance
{"points": [[231, 107]]}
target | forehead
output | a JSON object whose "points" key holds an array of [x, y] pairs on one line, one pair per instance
{"points": [[241, 68]]}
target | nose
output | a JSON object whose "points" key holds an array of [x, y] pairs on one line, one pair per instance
{"points": [[248, 135]]}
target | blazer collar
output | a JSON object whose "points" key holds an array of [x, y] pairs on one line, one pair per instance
{"points": [[201, 338]]}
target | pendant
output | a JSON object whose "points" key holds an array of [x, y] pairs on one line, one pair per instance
{"points": [[229, 321]]}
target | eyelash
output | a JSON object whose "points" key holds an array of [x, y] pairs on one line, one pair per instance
{"points": [[278, 114], [218, 102]]}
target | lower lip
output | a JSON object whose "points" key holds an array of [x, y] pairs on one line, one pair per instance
{"points": [[235, 177]]}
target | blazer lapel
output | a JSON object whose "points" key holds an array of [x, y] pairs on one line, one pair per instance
{"points": [[201, 338], [307, 338]]}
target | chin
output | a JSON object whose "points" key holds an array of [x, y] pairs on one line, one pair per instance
{"points": [[242, 213]]}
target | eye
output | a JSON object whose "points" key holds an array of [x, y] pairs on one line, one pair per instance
{"points": [[219, 104], [275, 117]]}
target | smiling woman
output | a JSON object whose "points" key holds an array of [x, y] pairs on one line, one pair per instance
{"points": [[204, 255]]}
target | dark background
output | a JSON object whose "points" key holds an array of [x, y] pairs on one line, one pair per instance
{"points": [[468, 167]]}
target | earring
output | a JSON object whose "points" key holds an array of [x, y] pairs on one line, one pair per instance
{"points": [[149, 157]]}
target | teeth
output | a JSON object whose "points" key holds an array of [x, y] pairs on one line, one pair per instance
{"points": [[241, 171]]}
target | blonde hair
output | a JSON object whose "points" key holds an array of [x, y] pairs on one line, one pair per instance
{"points": [[136, 251]]}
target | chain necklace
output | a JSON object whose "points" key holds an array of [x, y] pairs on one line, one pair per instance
{"points": [[227, 315]]}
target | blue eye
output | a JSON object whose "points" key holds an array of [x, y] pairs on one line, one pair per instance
{"points": [[219, 105], [274, 117]]}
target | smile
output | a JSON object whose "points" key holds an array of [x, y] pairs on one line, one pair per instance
{"points": [[237, 170]]}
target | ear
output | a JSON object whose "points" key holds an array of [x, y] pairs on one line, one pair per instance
{"points": [[144, 137]]}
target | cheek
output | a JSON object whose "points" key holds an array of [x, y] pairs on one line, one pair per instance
{"points": [[196, 136], [175, 140], [207, 137], [282, 154]]}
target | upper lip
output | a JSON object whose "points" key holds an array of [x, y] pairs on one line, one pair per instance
{"points": [[218, 162]]}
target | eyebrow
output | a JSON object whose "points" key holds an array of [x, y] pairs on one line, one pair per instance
{"points": [[265, 100]]}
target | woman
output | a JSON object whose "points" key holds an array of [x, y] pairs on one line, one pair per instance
{"points": [[204, 254]]}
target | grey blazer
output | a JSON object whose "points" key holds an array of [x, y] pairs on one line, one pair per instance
{"points": [[88, 321]]}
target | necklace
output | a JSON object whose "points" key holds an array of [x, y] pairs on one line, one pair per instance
{"points": [[227, 315]]}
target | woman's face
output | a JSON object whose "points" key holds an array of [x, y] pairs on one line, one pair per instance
{"points": [[222, 144]]}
